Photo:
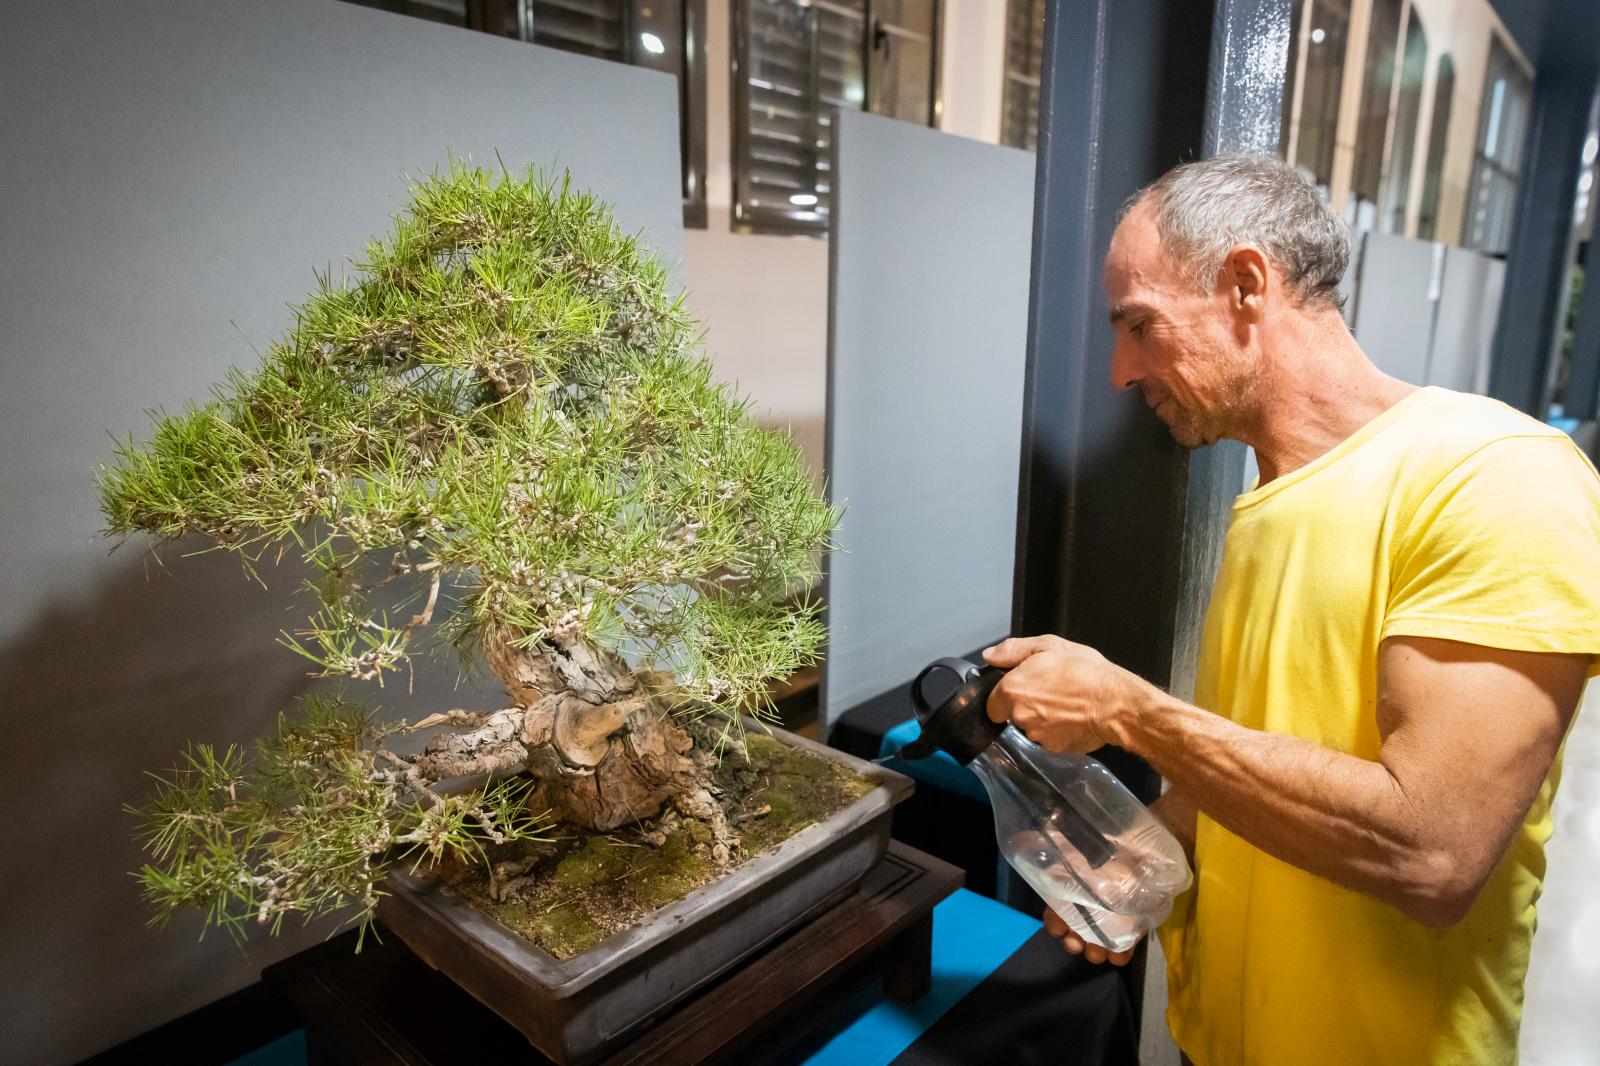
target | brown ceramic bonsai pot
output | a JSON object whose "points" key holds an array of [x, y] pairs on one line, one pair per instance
{"points": [[575, 1010]]}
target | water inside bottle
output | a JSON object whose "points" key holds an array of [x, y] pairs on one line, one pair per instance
{"points": [[1112, 905]]}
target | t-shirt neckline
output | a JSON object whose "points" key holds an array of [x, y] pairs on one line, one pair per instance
{"points": [[1383, 420]]}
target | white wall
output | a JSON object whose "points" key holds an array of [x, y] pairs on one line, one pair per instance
{"points": [[763, 300], [974, 67]]}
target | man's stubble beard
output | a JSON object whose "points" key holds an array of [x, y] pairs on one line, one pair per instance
{"points": [[1198, 429]]}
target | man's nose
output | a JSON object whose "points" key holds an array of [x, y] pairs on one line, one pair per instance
{"points": [[1125, 373]]}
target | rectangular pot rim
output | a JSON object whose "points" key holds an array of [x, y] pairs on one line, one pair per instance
{"points": [[564, 977]]}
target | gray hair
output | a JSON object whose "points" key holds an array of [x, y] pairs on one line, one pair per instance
{"points": [[1203, 210]]}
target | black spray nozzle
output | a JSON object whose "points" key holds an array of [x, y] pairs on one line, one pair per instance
{"points": [[960, 725]]}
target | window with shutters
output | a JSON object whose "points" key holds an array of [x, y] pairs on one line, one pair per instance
{"points": [[1502, 128], [1019, 105], [664, 35], [795, 61]]}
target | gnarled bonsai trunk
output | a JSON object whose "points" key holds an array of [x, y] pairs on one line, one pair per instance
{"points": [[604, 750]]}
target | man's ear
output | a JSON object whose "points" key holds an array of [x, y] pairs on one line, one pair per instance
{"points": [[1247, 276]]}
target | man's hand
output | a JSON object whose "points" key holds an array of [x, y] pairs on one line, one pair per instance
{"points": [[1064, 696], [1057, 927]]}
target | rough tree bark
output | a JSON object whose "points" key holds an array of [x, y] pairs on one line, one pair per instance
{"points": [[601, 746]]}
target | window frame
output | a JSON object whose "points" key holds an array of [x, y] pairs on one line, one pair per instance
{"points": [[1014, 77], [799, 221], [1482, 162], [1293, 128], [1444, 82]]}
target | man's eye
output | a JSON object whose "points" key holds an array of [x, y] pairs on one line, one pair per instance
{"points": [[1137, 329]]}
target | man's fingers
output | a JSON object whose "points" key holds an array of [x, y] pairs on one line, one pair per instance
{"points": [[1120, 958], [1053, 923], [1009, 653], [998, 706], [1094, 953]]}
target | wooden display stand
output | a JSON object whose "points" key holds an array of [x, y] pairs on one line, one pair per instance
{"points": [[386, 1006]]}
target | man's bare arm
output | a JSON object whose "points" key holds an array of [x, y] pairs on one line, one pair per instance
{"points": [[1469, 734]]}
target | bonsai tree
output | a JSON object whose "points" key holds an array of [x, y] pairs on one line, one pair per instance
{"points": [[499, 437]]}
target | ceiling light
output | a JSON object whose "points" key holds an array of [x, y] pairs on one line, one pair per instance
{"points": [[803, 199], [652, 44]]}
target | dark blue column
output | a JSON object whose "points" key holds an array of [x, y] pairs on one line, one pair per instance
{"points": [[1130, 88], [1563, 93], [1583, 374]]}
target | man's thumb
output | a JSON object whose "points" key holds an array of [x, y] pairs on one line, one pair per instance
{"points": [[1009, 653]]}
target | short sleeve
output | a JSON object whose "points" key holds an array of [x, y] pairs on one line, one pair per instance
{"points": [[1504, 551]]}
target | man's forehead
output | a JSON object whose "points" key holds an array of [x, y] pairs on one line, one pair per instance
{"points": [[1135, 234], [1135, 251]]}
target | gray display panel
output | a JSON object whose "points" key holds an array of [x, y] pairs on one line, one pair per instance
{"points": [[928, 303], [1395, 297], [1463, 332], [172, 175]]}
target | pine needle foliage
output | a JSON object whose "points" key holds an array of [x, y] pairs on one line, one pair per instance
{"points": [[502, 422], [506, 397], [309, 826]]}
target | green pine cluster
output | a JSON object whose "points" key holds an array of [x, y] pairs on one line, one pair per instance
{"points": [[310, 825], [499, 424]]}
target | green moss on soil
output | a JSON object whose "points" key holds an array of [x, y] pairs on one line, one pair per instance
{"points": [[583, 887]]}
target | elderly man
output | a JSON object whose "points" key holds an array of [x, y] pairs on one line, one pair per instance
{"points": [[1407, 610]]}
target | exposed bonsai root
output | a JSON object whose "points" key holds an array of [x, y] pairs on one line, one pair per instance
{"points": [[700, 804], [507, 879], [609, 766], [494, 746]]}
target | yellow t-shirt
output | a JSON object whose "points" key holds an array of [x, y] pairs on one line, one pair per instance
{"points": [[1448, 516]]}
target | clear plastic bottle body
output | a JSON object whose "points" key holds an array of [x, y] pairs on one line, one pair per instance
{"points": [[1096, 855]]}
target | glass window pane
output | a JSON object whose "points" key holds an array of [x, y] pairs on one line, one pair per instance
{"points": [[800, 61], [1383, 44], [1502, 126], [1324, 41], [913, 16], [1397, 185], [902, 73], [592, 28], [1438, 136], [1019, 107]]}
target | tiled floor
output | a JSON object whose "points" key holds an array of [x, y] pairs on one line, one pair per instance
{"points": [[1561, 1020]]}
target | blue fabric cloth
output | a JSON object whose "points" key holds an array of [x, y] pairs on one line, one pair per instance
{"points": [[972, 936], [937, 769], [285, 1051]]}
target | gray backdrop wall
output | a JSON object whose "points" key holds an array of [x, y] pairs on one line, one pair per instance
{"points": [[170, 174], [928, 300], [1422, 311]]}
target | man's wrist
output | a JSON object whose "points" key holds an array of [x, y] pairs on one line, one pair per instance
{"points": [[1134, 724]]}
